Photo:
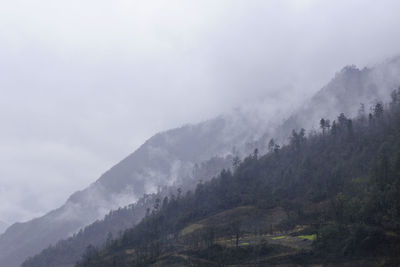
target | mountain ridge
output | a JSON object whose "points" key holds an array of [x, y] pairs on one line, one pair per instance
{"points": [[330, 198], [205, 140], [161, 160]]}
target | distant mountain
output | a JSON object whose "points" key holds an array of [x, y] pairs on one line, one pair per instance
{"points": [[170, 157], [3, 226], [345, 93]]}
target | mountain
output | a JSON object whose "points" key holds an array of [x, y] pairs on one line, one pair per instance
{"points": [[169, 158], [345, 93], [331, 199], [165, 159]]}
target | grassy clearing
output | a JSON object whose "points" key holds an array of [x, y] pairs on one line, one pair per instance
{"points": [[279, 237], [308, 237], [191, 228]]}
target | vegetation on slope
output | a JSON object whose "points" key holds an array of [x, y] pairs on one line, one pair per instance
{"points": [[341, 185], [97, 235]]}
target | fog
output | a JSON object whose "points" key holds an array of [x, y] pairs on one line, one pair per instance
{"points": [[84, 83]]}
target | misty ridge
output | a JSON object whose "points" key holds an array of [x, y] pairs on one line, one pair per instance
{"points": [[175, 161]]}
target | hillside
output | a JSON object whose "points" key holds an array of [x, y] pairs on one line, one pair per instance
{"points": [[169, 158], [330, 197], [165, 159], [67, 252], [345, 93]]}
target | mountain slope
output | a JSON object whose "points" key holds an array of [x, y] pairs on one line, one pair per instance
{"points": [[340, 188], [69, 251], [170, 156], [165, 159], [345, 93]]}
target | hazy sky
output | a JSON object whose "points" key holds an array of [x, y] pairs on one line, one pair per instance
{"points": [[83, 82]]}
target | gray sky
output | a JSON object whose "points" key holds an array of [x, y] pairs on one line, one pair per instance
{"points": [[84, 83]]}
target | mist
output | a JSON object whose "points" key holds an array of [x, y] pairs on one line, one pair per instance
{"points": [[83, 84]]}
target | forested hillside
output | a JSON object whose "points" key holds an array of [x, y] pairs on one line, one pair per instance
{"points": [[170, 158], [331, 196], [167, 158], [67, 252]]}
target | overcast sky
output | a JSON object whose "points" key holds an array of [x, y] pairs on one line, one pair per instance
{"points": [[85, 82]]}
